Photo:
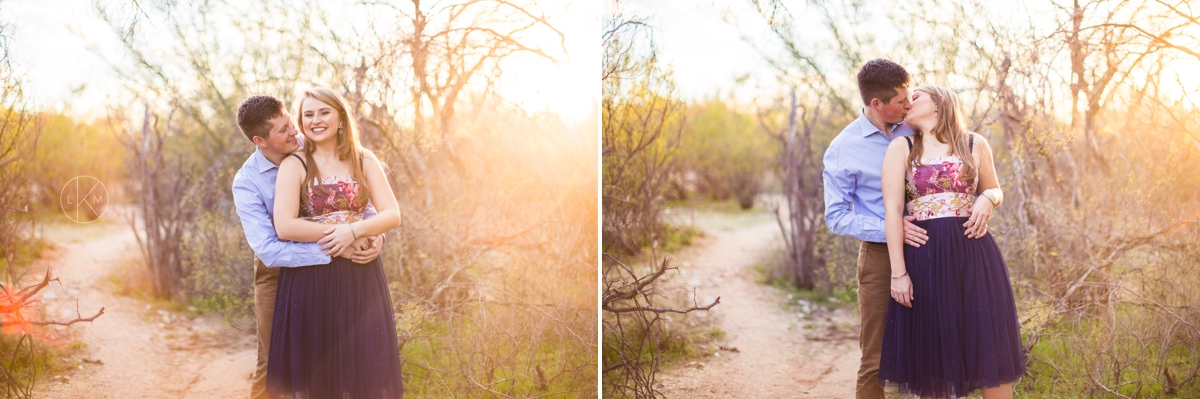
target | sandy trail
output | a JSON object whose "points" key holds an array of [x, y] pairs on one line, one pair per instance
{"points": [[773, 357], [137, 349]]}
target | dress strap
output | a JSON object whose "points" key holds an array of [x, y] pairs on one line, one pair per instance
{"points": [[971, 143], [907, 197], [302, 163]]}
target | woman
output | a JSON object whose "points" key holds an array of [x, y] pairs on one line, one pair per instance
{"points": [[952, 322], [333, 334]]}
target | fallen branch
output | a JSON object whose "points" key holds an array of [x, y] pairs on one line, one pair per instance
{"points": [[15, 302], [662, 310], [78, 318]]}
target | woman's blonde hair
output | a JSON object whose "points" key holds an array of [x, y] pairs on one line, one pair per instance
{"points": [[348, 147], [949, 129]]}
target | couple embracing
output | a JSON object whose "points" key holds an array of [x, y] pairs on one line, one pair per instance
{"points": [[938, 315], [315, 216]]}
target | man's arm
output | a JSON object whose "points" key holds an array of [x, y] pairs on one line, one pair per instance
{"points": [[839, 216], [261, 236]]}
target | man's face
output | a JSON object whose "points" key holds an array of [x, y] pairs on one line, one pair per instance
{"points": [[895, 109], [281, 139]]}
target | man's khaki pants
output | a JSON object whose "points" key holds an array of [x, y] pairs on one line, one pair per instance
{"points": [[874, 292], [266, 281]]}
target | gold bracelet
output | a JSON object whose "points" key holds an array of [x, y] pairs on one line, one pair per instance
{"points": [[356, 234], [902, 275]]}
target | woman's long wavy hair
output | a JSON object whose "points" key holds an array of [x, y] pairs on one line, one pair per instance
{"points": [[348, 147], [949, 129]]}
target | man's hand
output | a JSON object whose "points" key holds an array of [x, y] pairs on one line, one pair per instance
{"points": [[914, 236], [365, 249]]}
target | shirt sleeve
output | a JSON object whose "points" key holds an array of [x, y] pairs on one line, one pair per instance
{"points": [[839, 211], [370, 212], [260, 232]]}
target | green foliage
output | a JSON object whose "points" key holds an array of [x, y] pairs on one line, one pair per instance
{"points": [[29, 359], [678, 237], [22, 255], [677, 339], [722, 154], [70, 148], [642, 127], [1070, 356], [492, 357], [220, 267], [768, 270]]}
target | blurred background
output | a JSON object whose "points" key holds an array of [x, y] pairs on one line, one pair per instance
{"points": [[722, 111], [485, 113]]}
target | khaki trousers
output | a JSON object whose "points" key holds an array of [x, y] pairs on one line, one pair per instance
{"points": [[874, 292], [266, 281]]}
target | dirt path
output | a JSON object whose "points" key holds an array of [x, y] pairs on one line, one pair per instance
{"points": [[770, 350], [137, 349]]}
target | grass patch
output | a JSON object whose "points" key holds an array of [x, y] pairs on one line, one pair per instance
{"points": [[669, 343], [132, 278], [1071, 357], [506, 352], [679, 237], [29, 360], [23, 255], [769, 270]]}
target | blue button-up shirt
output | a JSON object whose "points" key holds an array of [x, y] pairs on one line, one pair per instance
{"points": [[254, 198], [854, 179]]}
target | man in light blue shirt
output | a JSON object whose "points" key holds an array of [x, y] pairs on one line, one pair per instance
{"points": [[267, 124], [854, 202]]}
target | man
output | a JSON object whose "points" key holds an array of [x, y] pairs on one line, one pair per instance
{"points": [[854, 202], [267, 124]]}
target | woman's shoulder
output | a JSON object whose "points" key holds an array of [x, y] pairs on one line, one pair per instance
{"points": [[979, 142], [292, 161], [900, 144], [367, 154], [368, 157]]}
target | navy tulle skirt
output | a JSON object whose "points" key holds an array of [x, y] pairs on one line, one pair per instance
{"points": [[333, 334], [961, 333]]}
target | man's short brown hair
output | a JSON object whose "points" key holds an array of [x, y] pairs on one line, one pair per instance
{"points": [[879, 78], [255, 113]]}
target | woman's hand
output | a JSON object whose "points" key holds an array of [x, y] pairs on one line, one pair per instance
{"points": [[902, 290], [980, 214], [337, 239]]}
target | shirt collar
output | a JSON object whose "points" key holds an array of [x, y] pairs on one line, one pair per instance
{"points": [[869, 128], [261, 163]]}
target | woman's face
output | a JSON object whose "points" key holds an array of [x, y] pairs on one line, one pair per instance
{"points": [[921, 116], [318, 120]]}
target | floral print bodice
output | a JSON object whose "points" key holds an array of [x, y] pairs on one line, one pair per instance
{"points": [[934, 189], [336, 203]]}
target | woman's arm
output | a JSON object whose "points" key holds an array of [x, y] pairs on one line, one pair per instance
{"points": [[989, 185], [893, 203], [990, 194], [288, 224], [383, 198], [385, 203]]}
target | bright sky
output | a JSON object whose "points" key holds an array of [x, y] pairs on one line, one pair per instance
{"points": [[55, 43], [707, 53], [46, 48]]}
